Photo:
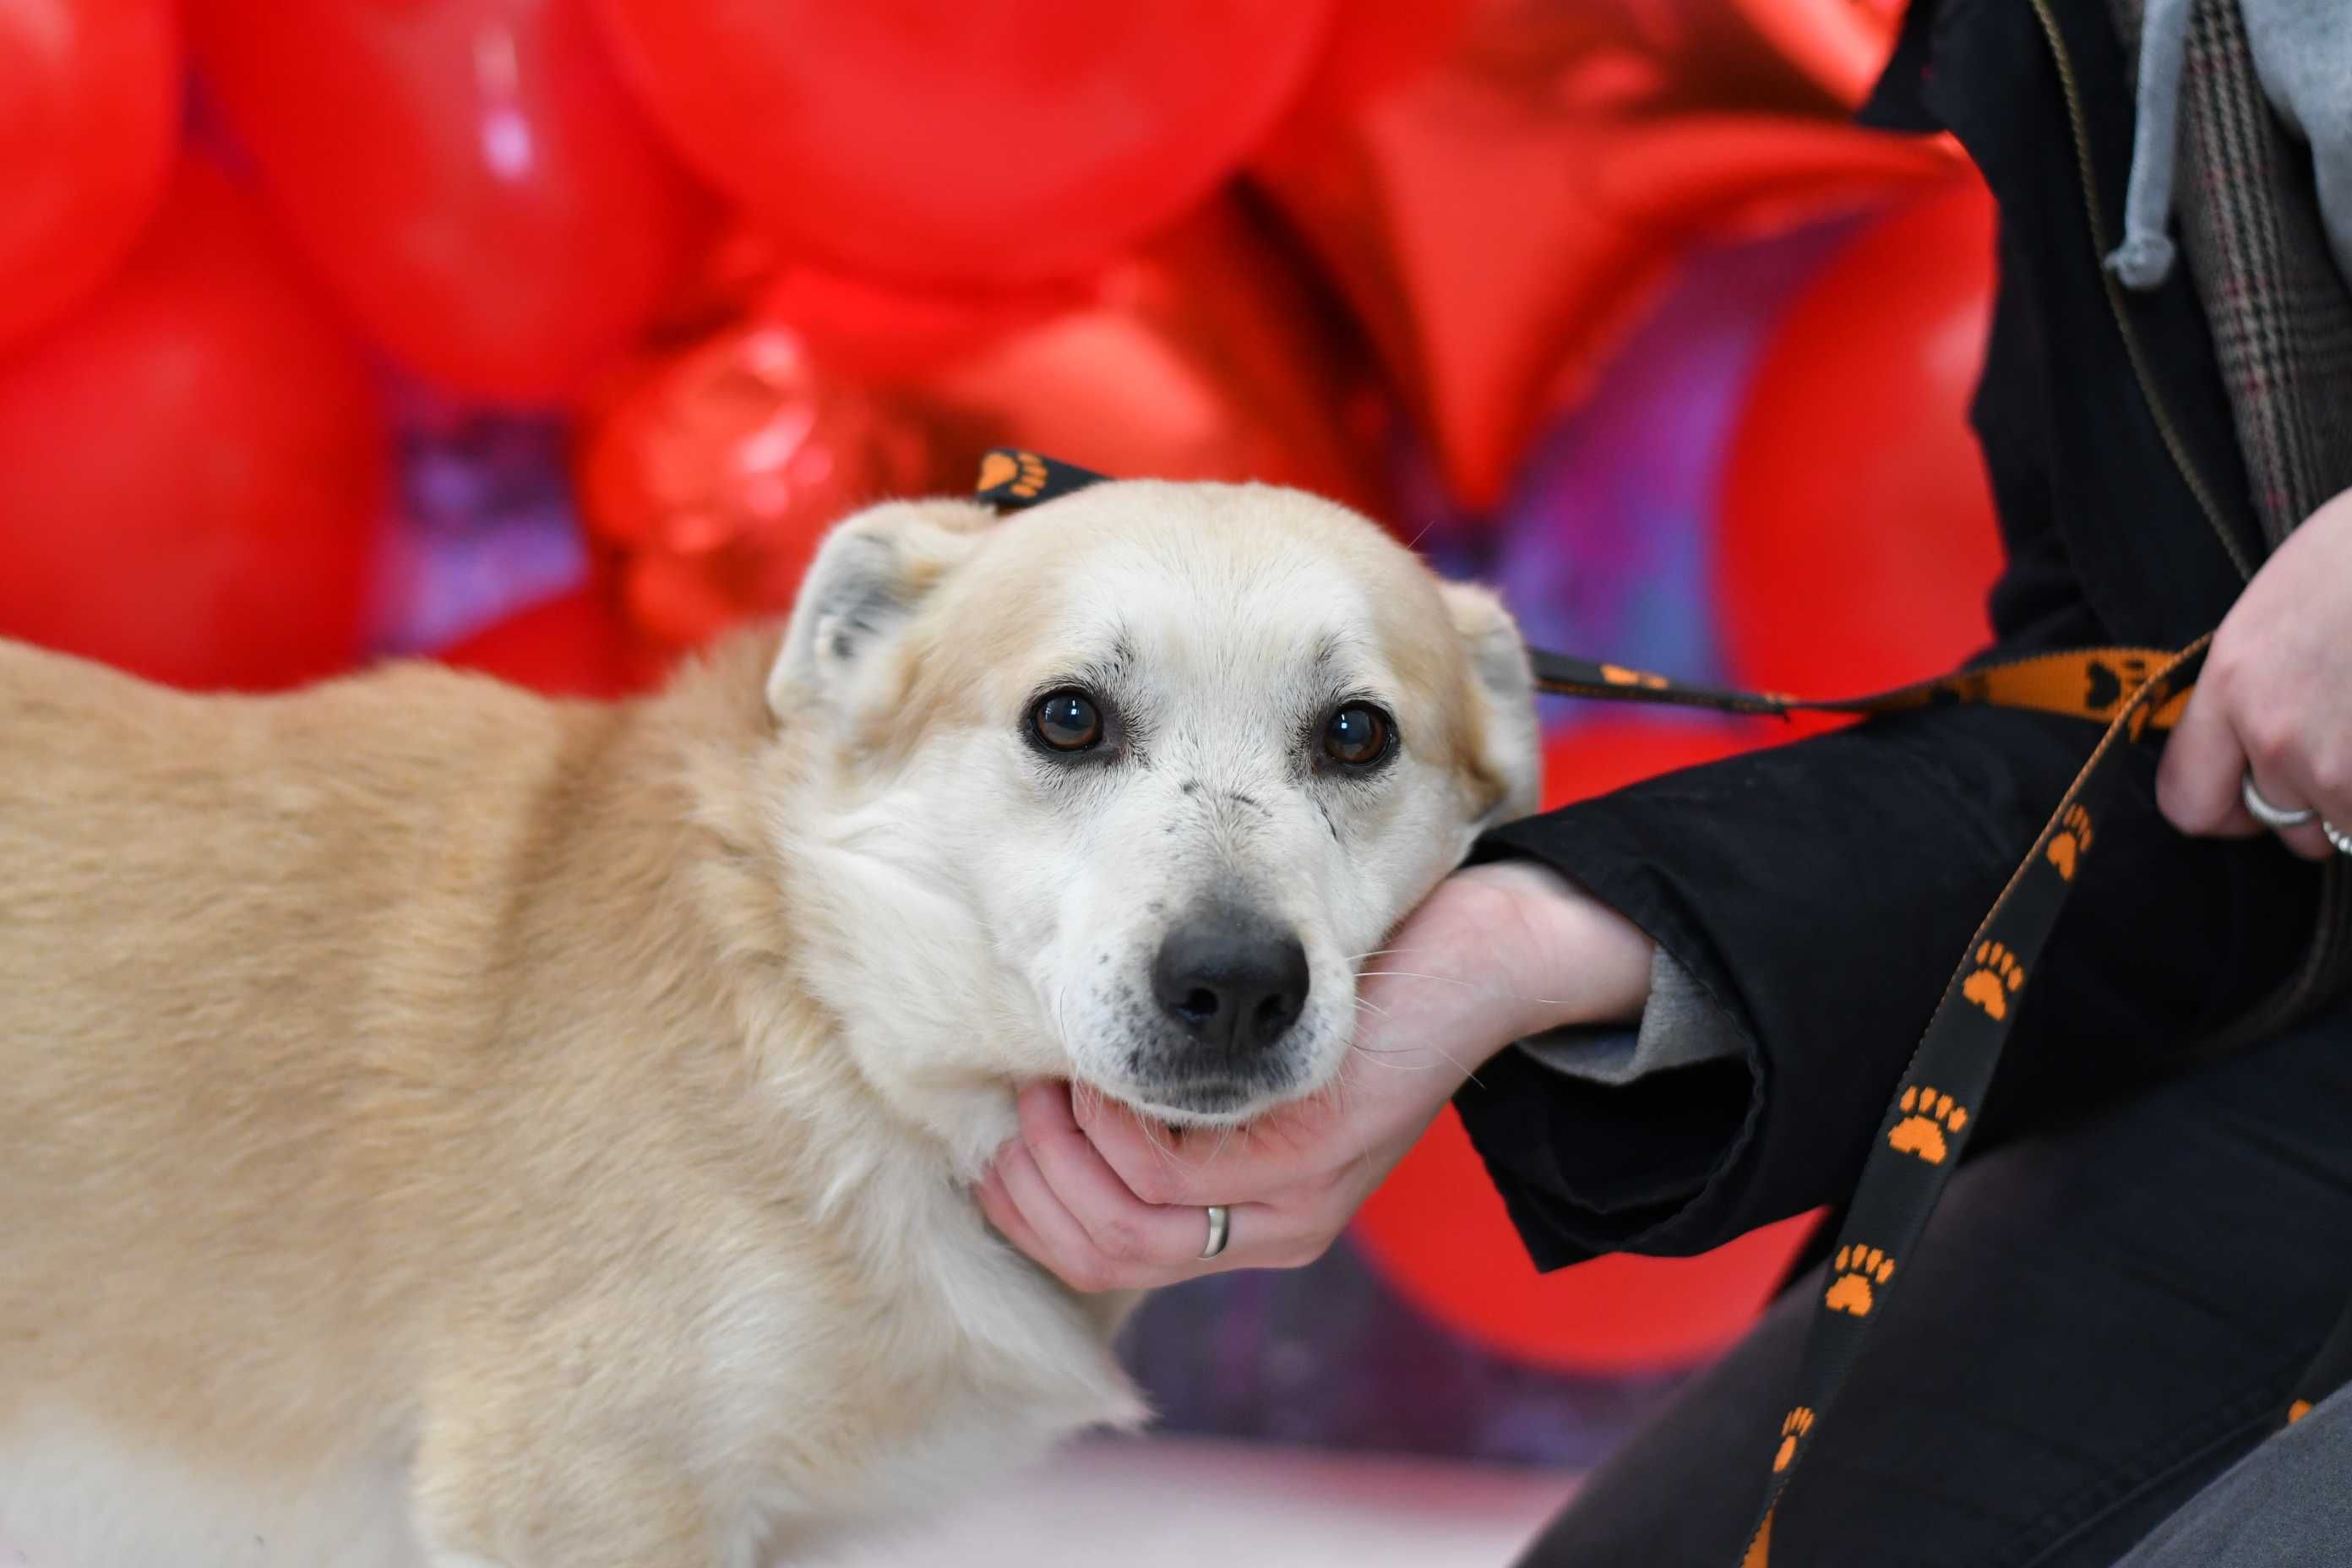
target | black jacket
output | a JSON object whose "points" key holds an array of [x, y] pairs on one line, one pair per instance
{"points": [[1822, 891]]}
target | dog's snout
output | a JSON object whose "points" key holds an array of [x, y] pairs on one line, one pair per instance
{"points": [[1233, 984]]}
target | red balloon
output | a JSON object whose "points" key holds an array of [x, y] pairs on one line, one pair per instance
{"points": [[1500, 223], [1206, 356], [716, 468], [1858, 535], [1376, 46], [871, 328], [1436, 1228], [576, 645], [468, 175], [195, 462], [1605, 754], [1840, 43], [90, 115], [939, 141]]}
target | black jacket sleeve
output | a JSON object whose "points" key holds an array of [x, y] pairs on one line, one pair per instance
{"points": [[1822, 891]]}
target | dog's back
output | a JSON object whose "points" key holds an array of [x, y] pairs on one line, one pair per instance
{"points": [[371, 1088], [208, 907]]}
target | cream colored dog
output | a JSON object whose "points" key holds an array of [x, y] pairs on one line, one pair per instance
{"points": [[439, 1125]]}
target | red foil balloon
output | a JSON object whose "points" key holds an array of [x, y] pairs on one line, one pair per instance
{"points": [[872, 328], [1437, 1231], [90, 115], [1205, 356], [195, 462], [718, 467], [468, 175], [1375, 46], [1499, 222], [938, 142], [576, 645], [1858, 537], [717, 470], [1842, 44]]}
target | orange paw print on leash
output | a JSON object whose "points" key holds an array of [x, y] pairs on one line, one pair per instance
{"points": [[1024, 472], [2104, 685], [1927, 1116], [1618, 675], [1859, 1271], [2072, 842], [1798, 1422], [1997, 977]]}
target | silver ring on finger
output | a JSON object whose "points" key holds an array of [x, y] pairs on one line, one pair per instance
{"points": [[2277, 818], [2337, 836], [1221, 1230]]}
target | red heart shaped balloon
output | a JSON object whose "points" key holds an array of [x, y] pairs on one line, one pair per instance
{"points": [[1499, 222]]}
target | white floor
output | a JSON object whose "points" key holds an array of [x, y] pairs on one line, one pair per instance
{"points": [[1163, 1503]]}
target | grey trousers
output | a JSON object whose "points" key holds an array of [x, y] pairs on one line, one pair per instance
{"points": [[2288, 1504]]}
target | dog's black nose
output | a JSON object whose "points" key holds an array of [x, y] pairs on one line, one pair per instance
{"points": [[1233, 984]]}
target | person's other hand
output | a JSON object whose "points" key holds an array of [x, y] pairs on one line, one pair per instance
{"points": [[2275, 695], [1497, 954]]}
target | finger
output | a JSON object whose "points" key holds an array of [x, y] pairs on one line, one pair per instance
{"points": [[1194, 1168], [2290, 792], [2284, 788], [1063, 1245], [1125, 1230], [2196, 783], [1008, 1219], [2310, 841]]}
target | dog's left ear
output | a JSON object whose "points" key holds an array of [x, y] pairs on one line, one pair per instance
{"points": [[867, 579], [1504, 688]]}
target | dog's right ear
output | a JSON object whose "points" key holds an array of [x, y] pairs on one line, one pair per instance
{"points": [[864, 585]]}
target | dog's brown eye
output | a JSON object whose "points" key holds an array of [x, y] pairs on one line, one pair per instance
{"points": [[1068, 722], [1357, 734]]}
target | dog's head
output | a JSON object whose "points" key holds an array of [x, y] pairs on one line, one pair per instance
{"points": [[1124, 788]]}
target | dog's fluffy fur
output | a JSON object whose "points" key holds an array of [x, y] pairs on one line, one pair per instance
{"points": [[439, 1125]]}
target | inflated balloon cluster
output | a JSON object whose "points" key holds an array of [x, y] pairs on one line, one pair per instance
{"points": [[751, 266]]}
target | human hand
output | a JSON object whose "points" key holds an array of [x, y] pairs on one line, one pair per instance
{"points": [[1494, 955], [2275, 695]]}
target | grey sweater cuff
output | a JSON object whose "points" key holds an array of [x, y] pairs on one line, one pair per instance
{"points": [[1681, 1028]]}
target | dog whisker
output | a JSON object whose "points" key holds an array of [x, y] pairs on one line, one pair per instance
{"points": [[1465, 985], [1372, 1054], [1412, 974], [1166, 1149]]}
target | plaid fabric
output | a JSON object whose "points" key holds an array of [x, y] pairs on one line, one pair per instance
{"points": [[2249, 228]]}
